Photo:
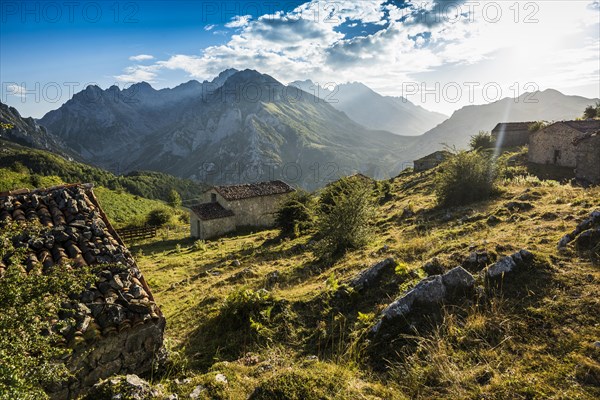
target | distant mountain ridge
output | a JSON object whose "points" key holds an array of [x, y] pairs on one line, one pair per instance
{"points": [[242, 126], [374, 111], [27, 132]]}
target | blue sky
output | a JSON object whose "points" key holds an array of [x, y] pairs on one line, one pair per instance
{"points": [[50, 48]]}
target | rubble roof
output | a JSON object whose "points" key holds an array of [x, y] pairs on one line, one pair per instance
{"points": [[584, 126], [249, 190], [75, 231]]}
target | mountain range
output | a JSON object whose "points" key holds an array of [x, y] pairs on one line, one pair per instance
{"points": [[246, 126], [242, 126], [370, 109]]}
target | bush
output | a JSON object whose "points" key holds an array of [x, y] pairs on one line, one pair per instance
{"points": [[483, 140], [295, 215], [591, 111], [346, 211], [536, 126], [465, 178], [158, 217]]}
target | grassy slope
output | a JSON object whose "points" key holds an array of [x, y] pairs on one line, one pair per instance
{"points": [[533, 341]]}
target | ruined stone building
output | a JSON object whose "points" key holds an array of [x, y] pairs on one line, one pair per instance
{"points": [[226, 208], [117, 327], [587, 158], [430, 161], [556, 144], [511, 134]]}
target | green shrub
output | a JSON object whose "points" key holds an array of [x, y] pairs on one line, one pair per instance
{"points": [[465, 178], [483, 140], [346, 211], [28, 304], [158, 217], [295, 215], [536, 126]]}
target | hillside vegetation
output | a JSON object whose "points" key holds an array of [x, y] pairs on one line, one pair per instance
{"points": [[259, 316], [41, 164], [122, 208]]}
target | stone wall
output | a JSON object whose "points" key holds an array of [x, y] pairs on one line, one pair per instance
{"points": [[588, 160], [207, 229], [132, 350], [554, 145], [256, 211]]}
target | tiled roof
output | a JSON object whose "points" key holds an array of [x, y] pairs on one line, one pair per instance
{"points": [[246, 191], [75, 231], [584, 126], [438, 156], [208, 211], [512, 126]]}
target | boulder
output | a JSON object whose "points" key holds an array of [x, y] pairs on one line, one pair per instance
{"points": [[509, 264], [124, 387], [371, 275], [427, 297], [590, 223]]}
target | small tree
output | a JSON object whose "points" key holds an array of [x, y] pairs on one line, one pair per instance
{"points": [[591, 111], [346, 211], [174, 199], [483, 140], [295, 214], [465, 178]]}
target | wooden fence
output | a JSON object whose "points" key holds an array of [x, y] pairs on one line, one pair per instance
{"points": [[144, 232]]}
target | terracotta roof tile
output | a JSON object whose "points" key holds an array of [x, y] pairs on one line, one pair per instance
{"points": [[76, 231], [249, 190]]}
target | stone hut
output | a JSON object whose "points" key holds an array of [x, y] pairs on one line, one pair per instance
{"points": [[511, 134], [226, 208], [556, 143], [430, 161], [118, 328], [587, 157]]}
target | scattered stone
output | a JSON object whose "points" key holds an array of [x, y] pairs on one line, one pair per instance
{"points": [[273, 278], [433, 267], [549, 216], [124, 387], [312, 358], [509, 264], [590, 239], [220, 378], [493, 220], [518, 206], [371, 275], [597, 344], [236, 263], [427, 297], [478, 260], [197, 392]]}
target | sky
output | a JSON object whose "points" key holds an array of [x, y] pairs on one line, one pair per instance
{"points": [[440, 54]]}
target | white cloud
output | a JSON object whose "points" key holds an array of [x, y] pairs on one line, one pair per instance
{"points": [[141, 57], [139, 73], [209, 27], [16, 90], [239, 22], [401, 44]]}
